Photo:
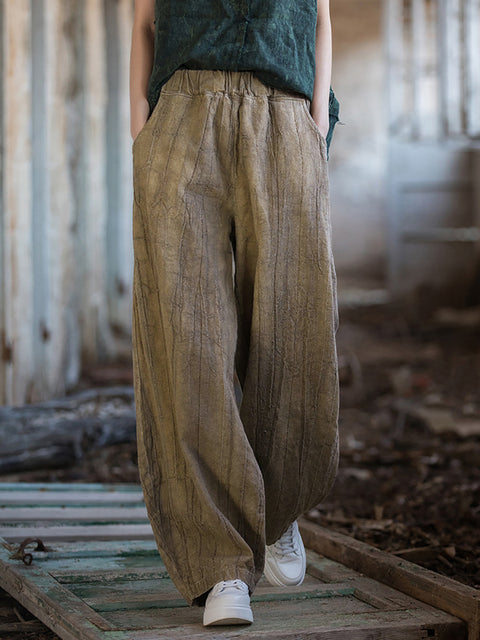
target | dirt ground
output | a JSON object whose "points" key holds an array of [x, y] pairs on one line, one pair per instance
{"points": [[409, 474]]}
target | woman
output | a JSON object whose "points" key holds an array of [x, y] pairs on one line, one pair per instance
{"points": [[232, 115]]}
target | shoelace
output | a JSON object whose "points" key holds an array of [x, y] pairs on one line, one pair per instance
{"points": [[237, 584], [286, 543]]}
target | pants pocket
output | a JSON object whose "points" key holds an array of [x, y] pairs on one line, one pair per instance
{"points": [[147, 124], [313, 125]]}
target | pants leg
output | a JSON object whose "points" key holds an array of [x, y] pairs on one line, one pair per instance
{"points": [[202, 486], [221, 151], [287, 306]]}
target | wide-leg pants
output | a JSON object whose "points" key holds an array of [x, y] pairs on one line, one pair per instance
{"points": [[233, 276]]}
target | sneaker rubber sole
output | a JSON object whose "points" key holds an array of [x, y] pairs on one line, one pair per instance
{"points": [[274, 580], [228, 615]]}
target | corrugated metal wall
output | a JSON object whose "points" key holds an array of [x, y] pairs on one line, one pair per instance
{"points": [[433, 68], [66, 263]]}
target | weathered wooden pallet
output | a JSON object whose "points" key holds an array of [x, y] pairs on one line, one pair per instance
{"points": [[103, 578]]}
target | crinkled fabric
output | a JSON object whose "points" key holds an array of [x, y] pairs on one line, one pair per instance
{"points": [[275, 39], [233, 277]]}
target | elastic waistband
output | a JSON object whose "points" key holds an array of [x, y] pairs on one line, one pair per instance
{"points": [[195, 81]]}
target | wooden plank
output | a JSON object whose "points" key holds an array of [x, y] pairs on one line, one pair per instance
{"points": [[100, 532], [381, 596], [147, 600], [450, 66], [120, 589], [327, 569], [91, 548], [79, 513], [119, 246], [16, 294], [41, 240], [93, 194], [98, 594], [68, 488], [394, 50], [95, 565], [322, 611], [8, 498], [49, 601], [417, 12], [429, 587], [60, 176], [57, 360], [122, 581], [365, 588], [85, 576], [284, 621], [102, 593], [430, 91]]}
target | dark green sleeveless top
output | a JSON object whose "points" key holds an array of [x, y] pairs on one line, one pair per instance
{"points": [[273, 38]]}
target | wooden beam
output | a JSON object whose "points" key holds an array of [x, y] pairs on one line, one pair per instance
{"points": [[429, 587], [75, 533], [122, 513], [71, 620], [417, 71], [41, 220], [119, 246], [92, 267], [16, 296], [75, 495], [394, 55], [41, 436], [450, 66], [472, 67]]}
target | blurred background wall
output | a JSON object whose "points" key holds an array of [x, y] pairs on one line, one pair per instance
{"points": [[404, 173], [66, 194], [405, 165], [359, 147]]}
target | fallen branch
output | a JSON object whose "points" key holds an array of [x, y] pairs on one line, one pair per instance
{"points": [[60, 432]]}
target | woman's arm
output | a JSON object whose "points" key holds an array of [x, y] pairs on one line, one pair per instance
{"points": [[141, 62], [323, 67]]}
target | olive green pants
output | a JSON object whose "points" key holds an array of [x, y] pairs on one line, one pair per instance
{"points": [[233, 274]]}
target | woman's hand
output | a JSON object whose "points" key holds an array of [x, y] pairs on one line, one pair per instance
{"points": [[321, 118], [140, 114]]}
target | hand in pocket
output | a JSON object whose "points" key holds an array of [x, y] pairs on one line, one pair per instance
{"points": [[140, 117]]}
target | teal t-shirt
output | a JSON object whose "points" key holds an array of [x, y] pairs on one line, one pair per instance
{"points": [[275, 39]]}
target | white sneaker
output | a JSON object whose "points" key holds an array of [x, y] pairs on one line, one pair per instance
{"points": [[228, 603], [285, 560]]}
